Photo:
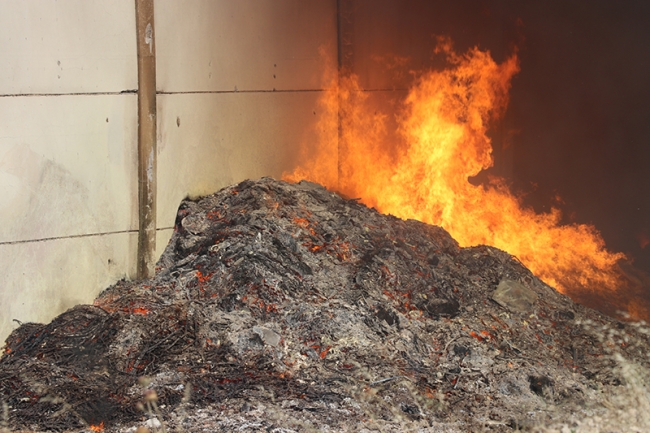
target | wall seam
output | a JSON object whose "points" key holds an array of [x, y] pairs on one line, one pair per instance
{"points": [[27, 95], [56, 238], [85, 235], [194, 92]]}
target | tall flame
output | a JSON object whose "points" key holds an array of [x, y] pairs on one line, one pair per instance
{"points": [[425, 174]]}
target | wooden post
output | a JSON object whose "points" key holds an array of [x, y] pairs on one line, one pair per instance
{"points": [[146, 138]]}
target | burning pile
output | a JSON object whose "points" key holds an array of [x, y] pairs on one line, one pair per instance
{"points": [[423, 172], [286, 305]]}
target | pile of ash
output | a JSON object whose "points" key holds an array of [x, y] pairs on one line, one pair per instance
{"points": [[284, 306]]}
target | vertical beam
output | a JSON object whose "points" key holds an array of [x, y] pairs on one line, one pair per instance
{"points": [[344, 27], [146, 138]]}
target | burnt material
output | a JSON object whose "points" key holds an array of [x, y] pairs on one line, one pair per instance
{"points": [[290, 298]]}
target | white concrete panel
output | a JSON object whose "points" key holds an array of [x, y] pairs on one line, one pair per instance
{"points": [[208, 141], [40, 280], [162, 239], [67, 46], [217, 45], [67, 165]]}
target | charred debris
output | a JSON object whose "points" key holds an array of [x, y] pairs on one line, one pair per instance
{"points": [[290, 306]]}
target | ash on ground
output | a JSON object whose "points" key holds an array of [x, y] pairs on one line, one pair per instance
{"points": [[284, 307]]}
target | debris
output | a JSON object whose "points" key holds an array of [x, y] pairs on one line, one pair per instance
{"points": [[514, 296], [153, 423], [267, 336], [286, 306]]}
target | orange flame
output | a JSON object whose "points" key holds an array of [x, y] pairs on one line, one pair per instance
{"points": [[97, 428], [424, 175]]}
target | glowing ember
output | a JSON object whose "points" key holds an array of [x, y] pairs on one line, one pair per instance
{"points": [[425, 176], [141, 311], [97, 428]]}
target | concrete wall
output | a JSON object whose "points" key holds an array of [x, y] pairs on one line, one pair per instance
{"points": [[237, 86], [67, 153]]}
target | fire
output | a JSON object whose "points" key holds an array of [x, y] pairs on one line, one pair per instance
{"points": [[97, 428], [424, 174]]}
